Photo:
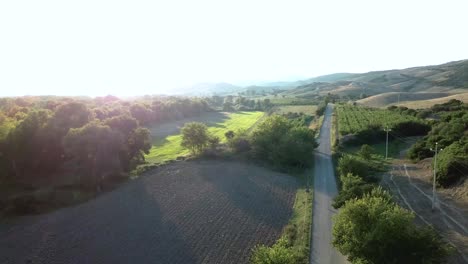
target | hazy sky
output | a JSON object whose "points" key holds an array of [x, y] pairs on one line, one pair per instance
{"points": [[102, 47]]}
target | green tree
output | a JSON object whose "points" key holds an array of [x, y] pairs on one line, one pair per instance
{"points": [[195, 137], [376, 230], [279, 253], [95, 149], [282, 143]]}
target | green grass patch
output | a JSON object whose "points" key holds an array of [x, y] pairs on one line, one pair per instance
{"points": [[298, 230], [169, 148]]}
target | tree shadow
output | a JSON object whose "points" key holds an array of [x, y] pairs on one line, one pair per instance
{"points": [[124, 226]]}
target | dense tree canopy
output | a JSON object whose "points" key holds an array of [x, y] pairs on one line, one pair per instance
{"points": [[40, 136], [281, 142], [373, 229]]}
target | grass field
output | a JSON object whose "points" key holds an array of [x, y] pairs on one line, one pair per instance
{"points": [[166, 142], [429, 103], [306, 109]]}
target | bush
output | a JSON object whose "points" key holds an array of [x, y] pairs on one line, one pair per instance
{"points": [[366, 152], [352, 187], [349, 164], [279, 253], [238, 141], [376, 230], [452, 164]]}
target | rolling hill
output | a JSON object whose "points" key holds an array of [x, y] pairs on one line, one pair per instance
{"points": [[386, 99], [450, 77]]}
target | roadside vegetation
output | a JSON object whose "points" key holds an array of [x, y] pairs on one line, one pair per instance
{"points": [[449, 132], [362, 230]]}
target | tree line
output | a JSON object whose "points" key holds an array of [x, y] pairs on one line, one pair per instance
{"points": [[92, 139]]}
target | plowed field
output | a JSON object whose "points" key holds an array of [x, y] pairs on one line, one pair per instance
{"points": [[187, 212]]}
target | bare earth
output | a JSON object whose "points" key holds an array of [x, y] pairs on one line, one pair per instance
{"points": [[325, 190], [187, 212], [411, 185]]}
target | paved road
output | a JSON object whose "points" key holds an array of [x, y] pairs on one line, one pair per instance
{"points": [[324, 190]]}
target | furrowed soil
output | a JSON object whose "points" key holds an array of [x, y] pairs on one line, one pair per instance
{"points": [[186, 212]]}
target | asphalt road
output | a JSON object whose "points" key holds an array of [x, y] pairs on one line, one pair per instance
{"points": [[325, 189]]}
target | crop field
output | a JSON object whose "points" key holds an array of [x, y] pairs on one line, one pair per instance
{"points": [[186, 212], [353, 119], [167, 138], [306, 109]]}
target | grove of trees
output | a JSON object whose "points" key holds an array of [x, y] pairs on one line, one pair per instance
{"points": [[91, 138]]}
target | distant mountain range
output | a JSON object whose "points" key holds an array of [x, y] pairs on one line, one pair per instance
{"points": [[450, 77]]}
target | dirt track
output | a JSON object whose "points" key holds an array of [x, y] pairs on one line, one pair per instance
{"points": [[413, 191], [188, 212]]}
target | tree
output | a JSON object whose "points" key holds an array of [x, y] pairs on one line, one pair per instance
{"points": [[366, 152], [95, 148], [195, 137], [282, 143], [376, 230], [279, 253]]}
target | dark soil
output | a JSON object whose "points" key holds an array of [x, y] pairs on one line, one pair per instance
{"points": [[186, 212]]}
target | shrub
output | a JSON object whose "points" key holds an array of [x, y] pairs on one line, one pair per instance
{"points": [[352, 187], [279, 253], [366, 152], [349, 164], [452, 164]]}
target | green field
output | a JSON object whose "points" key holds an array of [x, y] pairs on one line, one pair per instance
{"points": [[353, 119], [306, 109], [169, 148]]}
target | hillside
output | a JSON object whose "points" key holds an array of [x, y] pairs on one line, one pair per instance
{"points": [[386, 99], [428, 103], [445, 78]]}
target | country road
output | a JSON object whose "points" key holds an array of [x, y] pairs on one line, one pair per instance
{"points": [[325, 189]]}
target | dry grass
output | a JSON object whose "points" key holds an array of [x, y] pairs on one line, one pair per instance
{"points": [[386, 99], [428, 103]]}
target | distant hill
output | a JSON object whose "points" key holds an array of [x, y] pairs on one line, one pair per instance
{"points": [[386, 99], [444, 78], [208, 89]]}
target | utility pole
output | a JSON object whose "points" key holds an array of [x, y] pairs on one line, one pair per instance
{"points": [[386, 145], [434, 178]]}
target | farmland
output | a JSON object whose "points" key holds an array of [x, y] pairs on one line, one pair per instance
{"points": [[305, 109], [354, 119], [186, 212], [167, 138]]}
